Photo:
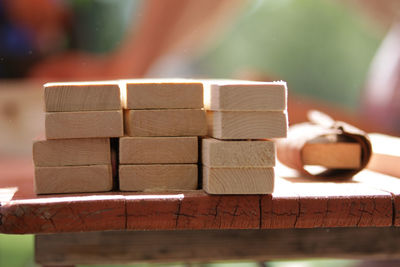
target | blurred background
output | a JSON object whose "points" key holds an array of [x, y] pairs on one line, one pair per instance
{"points": [[342, 57]]}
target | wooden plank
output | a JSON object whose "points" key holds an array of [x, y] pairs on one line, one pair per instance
{"points": [[211, 245], [73, 179], [199, 210], [370, 199], [82, 96], [170, 122], [246, 124], [236, 95], [164, 94], [218, 153], [144, 150], [86, 124], [72, 213], [67, 152], [329, 203], [238, 180], [386, 183], [332, 155], [386, 154], [145, 210], [156, 177]]}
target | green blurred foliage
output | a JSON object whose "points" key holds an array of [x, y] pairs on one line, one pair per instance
{"points": [[16, 250], [321, 48], [101, 24]]}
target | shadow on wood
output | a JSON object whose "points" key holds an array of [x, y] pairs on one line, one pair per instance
{"points": [[209, 245]]}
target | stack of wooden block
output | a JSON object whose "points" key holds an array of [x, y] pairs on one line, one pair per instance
{"points": [[242, 116], [80, 120], [163, 120], [142, 135]]}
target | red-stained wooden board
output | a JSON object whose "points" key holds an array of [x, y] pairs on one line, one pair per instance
{"points": [[296, 203]]}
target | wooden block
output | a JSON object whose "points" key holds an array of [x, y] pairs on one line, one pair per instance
{"points": [[82, 96], [164, 94], [238, 180], [332, 155], [73, 179], [143, 150], [218, 153], [85, 124], [245, 96], [158, 177], [246, 124], [169, 122], [386, 154], [69, 152]]}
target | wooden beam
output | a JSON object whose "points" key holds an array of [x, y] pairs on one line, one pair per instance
{"points": [[82, 96], [68, 152], [157, 177], [119, 247], [73, 179], [237, 180], [236, 95], [164, 94], [246, 124], [85, 124], [219, 153], [339, 155], [168, 122], [151, 150]]}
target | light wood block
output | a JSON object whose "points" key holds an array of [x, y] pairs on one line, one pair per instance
{"points": [[246, 124], [238, 180], [158, 177], [168, 122], [245, 96], [164, 94], [144, 150], [85, 124], [71, 152], [386, 154], [73, 179], [82, 96], [339, 155], [218, 153]]}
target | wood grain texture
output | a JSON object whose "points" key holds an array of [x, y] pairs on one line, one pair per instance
{"points": [[312, 203], [370, 199], [164, 94], [192, 210], [245, 96], [86, 124], [68, 152], [218, 153], [332, 155], [144, 150], [169, 122], [67, 213], [82, 96], [386, 183], [73, 179], [386, 154], [156, 177], [211, 245], [246, 124], [238, 180]]}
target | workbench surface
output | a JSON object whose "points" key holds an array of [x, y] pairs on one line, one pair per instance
{"points": [[370, 199]]}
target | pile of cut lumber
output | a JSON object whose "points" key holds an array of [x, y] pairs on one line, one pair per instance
{"points": [[143, 135], [238, 156]]}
